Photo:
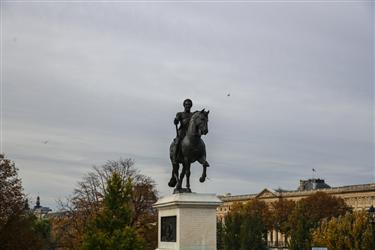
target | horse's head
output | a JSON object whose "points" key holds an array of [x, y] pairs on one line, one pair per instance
{"points": [[200, 121]]}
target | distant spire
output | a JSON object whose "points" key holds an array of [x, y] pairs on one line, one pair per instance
{"points": [[37, 202], [314, 174]]}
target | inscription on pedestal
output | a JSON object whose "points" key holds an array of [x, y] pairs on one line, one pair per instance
{"points": [[168, 229]]}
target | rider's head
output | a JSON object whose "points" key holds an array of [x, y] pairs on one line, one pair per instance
{"points": [[188, 104]]}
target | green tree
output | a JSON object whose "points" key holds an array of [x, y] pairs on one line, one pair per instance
{"points": [[349, 232], [300, 226], [87, 201], [253, 233], [219, 235], [111, 228], [44, 228], [232, 228], [246, 226]]}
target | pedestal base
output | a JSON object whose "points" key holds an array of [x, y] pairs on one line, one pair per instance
{"points": [[187, 221]]}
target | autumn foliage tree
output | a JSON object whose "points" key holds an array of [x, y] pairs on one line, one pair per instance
{"points": [[307, 215], [12, 200], [351, 231], [280, 211], [87, 201], [19, 228]]}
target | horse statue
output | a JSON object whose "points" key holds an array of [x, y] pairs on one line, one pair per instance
{"points": [[192, 149]]}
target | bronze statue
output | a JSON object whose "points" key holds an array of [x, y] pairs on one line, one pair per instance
{"points": [[188, 146]]}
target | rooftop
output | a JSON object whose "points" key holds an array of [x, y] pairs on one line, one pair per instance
{"points": [[279, 192]]}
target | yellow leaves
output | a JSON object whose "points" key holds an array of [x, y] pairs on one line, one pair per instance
{"points": [[351, 231]]}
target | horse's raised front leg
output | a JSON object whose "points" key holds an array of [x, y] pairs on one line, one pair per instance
{"points": [[204, 172]]}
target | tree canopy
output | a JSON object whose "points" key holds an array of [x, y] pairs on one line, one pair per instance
{"points": [[12, 199], [88, 200], [245, 226], [351, 231], [307, 215], [111, 228], [19, 227], [280, 211]]}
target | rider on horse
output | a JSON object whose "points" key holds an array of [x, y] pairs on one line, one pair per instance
{"points": [[183, 118], [188, 147]]}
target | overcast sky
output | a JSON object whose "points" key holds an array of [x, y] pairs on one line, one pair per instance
{"points": [[103, 81]]}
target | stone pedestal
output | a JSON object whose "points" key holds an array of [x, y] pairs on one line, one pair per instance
{"points": [[187, 221]]}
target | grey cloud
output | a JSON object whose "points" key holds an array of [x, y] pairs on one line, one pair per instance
{"points": [[103, 81]]}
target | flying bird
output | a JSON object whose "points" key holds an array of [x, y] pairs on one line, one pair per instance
{"points": [[228, 94], [45, 142]]}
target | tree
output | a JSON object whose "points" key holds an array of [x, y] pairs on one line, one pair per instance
{"points": [[351, 231], [259, 209], [300, 226], [111, 228], [87, 201], [12, 199], [307, 215], [246, 226], [232, 230], [19, 228], [281, 209], [219, 235], [322, 205], [42, 227], [256, 220], [253, 233]]}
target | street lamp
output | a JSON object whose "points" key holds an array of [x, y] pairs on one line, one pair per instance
{"points": [[371, 213]]}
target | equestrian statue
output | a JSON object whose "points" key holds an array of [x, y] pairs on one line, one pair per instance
{"points": [[188, 146]]}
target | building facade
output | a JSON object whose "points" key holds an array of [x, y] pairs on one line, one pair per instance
{"points": [[359, 197]]}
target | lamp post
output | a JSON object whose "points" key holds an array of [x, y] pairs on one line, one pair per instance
{"points": [[371, 213]]}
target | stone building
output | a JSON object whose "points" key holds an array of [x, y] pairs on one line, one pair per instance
{"points": [[358, 197], [39, 210]]}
